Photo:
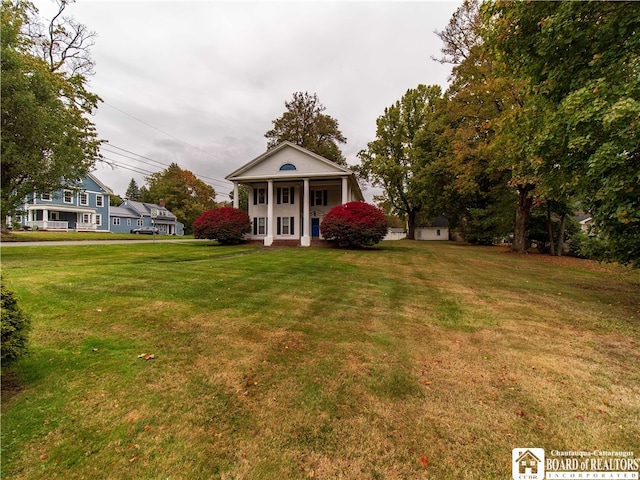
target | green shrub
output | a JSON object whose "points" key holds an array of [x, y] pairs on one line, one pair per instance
{"points": [[227, 225], [585, 246], [354, 225], [16, 325]]}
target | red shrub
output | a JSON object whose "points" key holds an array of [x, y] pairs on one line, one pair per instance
{"points": [[227, 225], [354, 224]]}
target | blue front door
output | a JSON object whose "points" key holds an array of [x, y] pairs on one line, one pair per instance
{"points": [[315, 228]]}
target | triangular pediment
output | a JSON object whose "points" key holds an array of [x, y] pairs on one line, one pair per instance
{"points": [[288, 160]]}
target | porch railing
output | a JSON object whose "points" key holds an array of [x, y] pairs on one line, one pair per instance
{"points": [[48, 225], [84, 227]]}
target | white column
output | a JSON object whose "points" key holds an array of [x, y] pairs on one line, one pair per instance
{"points": [[236, 196], [268, 240], [305, 241], [45, 219], [345, 190]]}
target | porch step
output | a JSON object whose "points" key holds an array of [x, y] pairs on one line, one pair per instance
{"points": [[286, 243]]}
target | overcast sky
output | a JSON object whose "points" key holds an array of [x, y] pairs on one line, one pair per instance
{"points": [[199, 83]]}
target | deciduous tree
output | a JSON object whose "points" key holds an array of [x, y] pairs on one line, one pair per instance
{"points": [[184, 194], [304, 124], [583, 60], [396, 159], [48, 140]]}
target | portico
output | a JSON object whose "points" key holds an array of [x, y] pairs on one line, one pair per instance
{"points": [[290, 191]]}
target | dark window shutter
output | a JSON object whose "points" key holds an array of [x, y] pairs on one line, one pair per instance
{"points": [[291, 192], [279, 227], [279, 194], [324, 198], [292, 232], [255, 196], [313, 198], [255, 225]]}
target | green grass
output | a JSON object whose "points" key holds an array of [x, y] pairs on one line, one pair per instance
{"points": [[291, 363], [43, 236]]}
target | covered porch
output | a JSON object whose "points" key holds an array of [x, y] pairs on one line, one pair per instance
{"points": [[62, 218]]}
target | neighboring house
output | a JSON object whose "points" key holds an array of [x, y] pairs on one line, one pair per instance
{"points": [[437, 230], [585, 221], [82, 208], [395, 234], [131, 215], [290, 191]]}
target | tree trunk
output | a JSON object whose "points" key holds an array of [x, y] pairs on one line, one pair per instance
{"points": [[563, 224], [552, 243], [411, 225], [522, 216]]}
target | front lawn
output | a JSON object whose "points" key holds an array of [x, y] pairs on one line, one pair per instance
{"points": [[409, 360]]}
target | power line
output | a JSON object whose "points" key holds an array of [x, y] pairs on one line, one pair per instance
{"points": [[117, 164], [159, 130], [222, 183]]}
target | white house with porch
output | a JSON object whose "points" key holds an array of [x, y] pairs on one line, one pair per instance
{"points": [[291, 189]]}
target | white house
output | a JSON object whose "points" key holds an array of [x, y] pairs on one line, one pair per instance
{"points": [[290, 191]]}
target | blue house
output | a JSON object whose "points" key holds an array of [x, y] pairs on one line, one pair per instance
{"points": [[82, 208], [131, 215], [86, 208]]}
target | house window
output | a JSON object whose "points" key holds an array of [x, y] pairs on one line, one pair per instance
{"points": [[99, 201], [259, 196], [259, 225], [67, 196], [438, 232], [46, 196], [285, 226], [116, 221], [86, 218], [98, 219], [288, 166], [319, 198], [140, 222], [54, 216], [128, 222], [285, 195], [84, 198]]}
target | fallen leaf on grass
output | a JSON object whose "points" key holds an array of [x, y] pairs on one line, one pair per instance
{"points": [[424, 461], [521, 413], [147, 356]]}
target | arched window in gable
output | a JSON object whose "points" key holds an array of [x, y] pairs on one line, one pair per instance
{"points": [[288, 166]]}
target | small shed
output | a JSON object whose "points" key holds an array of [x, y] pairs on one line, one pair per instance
{"points": [[437, 230]]}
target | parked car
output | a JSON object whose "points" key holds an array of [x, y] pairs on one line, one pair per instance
{"points": [[145, 230]]}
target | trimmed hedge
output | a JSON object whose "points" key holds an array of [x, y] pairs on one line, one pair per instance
{"points": [[354, 225], [227, 225], [16, 325]]}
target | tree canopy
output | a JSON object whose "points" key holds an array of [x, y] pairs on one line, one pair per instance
{"points": [[403, 150], [184, 194], [540, 120], [304, 124], [48, 141]]}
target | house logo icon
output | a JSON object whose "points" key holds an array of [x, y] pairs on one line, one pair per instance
{"points": [[527, 463]]}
